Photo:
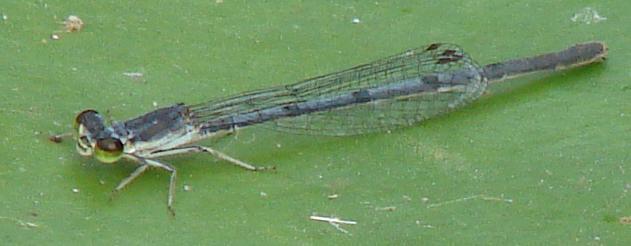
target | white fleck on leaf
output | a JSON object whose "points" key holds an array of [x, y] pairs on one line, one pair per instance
{"points": [[588, 15]]}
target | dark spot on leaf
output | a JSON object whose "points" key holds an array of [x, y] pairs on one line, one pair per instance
{"points": [[449, 52], [445, 60], [432, 47]]}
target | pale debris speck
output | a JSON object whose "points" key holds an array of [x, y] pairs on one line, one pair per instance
{"points": [[188, 188], [73, 23], [388, 208], [334, 196], [20, 222], [278, 145], [263, 194], [155, 104], [588, 16], [420, 222], [134, 75], [5, 17], [55, 37], [356, 20], [75, 190]]}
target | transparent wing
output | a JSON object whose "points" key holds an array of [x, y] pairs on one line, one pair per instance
{"points": [[372, 116]]}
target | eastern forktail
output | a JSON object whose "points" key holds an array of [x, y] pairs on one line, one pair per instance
{"points": [[389, 93]]}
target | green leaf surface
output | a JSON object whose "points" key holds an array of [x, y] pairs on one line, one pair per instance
{"points": [[543, 159]]}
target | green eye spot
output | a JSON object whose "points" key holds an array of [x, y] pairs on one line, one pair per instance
{"points": [[108, 150], [83, 146]]}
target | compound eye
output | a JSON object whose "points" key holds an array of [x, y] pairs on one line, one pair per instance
{"points": [[84, 117], [108, 150]]}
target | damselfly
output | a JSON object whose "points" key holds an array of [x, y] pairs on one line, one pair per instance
{"points": [[393, 92]]}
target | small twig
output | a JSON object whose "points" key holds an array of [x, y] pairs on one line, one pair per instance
{"points": [[483, 197], [20, 222], [335, 222], [332, 220], [338, 227]]}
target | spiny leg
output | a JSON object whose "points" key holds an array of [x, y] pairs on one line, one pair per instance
{"points": [[215, 153], [225, 157], [171, 169], [145, 163], [141, 169]]}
